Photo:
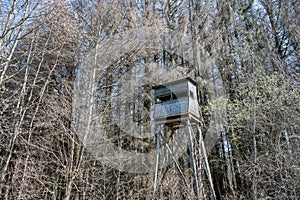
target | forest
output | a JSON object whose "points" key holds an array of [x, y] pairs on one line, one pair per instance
{"points": [[76, 79]]}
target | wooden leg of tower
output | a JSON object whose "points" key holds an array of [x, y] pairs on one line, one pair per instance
{"points": [[193, 161], [205, 160], [157, 149]]}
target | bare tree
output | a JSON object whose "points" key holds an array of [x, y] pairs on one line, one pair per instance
{"points": [[244, 57]]}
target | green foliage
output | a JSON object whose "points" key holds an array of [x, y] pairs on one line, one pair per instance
{"points": [[269, 101]]}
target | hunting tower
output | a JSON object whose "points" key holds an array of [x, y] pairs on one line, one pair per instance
{"points": [[178, 136], [176, 101]]}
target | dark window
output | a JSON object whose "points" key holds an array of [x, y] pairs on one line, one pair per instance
{"points": [[163, 98], [171, 96], [191, 94]]}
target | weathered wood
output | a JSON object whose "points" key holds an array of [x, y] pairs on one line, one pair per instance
{"points": [[177, 98], [176, 105], [170, 108]]}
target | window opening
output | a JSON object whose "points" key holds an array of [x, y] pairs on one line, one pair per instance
{"points": [[191, 94]]}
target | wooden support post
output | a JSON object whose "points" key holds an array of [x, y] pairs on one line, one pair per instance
{"points": [[157, 149], [206, 165], [191, 145]]}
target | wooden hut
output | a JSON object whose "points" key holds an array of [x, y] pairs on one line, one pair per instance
{"points": [[176, 101]]}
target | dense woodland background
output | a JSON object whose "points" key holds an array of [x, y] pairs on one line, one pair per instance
{"points": [[248, 48]]}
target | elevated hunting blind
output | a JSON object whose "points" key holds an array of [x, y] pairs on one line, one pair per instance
{"points": [[177, 108], [176, 101]]}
